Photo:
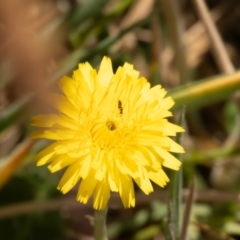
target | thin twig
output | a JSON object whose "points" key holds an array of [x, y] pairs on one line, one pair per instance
{"points": [[156, 48], [225, 64], [30, 207], [171, 10], [220, 53], [188, 209]]}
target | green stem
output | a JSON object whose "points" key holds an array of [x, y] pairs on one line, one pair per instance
{"points": [[175, 193], [100, 230]]}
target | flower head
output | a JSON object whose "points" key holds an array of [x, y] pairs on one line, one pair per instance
{"points": [[110, 130]]}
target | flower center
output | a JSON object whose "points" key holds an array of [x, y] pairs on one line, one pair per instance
{"points": [[111, 125]]}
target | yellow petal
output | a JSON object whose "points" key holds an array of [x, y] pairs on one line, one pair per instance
{"points": [[85, 69], [86, 188], [126, 190], [69, 178], [143, 181], [46, 155], [68, 86], [105, 72], [101, 195], [64, 106], [159, 177], [175, 147], [60, 162], [168, 159], [85, 166], [53, 120], [171, 129]]}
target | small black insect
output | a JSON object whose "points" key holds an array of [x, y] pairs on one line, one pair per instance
{"points": [[120, 107]]}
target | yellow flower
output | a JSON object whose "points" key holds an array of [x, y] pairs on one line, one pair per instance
{"points": [[111, 129]]}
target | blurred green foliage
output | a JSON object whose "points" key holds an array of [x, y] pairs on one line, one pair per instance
{"points": [[88, 30]]}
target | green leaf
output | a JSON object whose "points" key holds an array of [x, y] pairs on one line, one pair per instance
{"points": [[206, 91]]}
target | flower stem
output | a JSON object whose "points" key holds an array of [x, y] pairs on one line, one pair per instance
{"points": [[100, 230]]}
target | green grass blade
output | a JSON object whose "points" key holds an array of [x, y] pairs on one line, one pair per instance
{"points": [[175, 193], [206, 91]]}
